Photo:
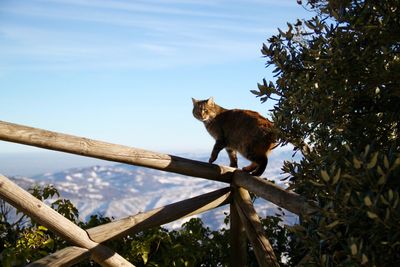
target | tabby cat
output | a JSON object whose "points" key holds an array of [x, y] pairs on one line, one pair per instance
{"points": [[236, 130]]}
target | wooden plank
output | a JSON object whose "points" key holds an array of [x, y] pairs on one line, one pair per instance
{"points": [[112, 152], [262, 248], [160, 216], [54, 221], [64, 257], [238, 238], [118, 153]]}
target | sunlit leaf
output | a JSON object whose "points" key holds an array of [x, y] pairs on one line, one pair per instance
{"points": [[373, 161], [325, 176], [386, 162], [356, 163], [367, 201], [336, 177], [353, 249], [372, 215]]}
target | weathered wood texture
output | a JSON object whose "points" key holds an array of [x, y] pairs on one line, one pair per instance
{"points": [[160, 216], [262, 248], [102, 150], [238, 238], [64, 257], [54, 221], [107, 151]]}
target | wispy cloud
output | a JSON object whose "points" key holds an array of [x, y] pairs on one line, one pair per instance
{"points": [[78, 34], [149, 7]]}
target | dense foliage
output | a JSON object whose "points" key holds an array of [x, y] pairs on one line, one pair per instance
{"points": [[23, 240], [194, 244], [337, 89]]}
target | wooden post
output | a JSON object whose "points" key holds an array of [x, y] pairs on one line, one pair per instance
{"points": [[54, 221], [254, 229], [238, 237]]}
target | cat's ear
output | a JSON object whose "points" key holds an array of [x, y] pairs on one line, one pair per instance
{"points": [[210, 101], [194, 101]]}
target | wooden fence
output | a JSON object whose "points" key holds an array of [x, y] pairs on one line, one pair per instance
{"points": [[88, 243]]}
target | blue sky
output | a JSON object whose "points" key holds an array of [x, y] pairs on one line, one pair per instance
{"points": [[125, 71]]}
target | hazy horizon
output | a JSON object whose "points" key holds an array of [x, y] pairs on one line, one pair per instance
{"points": [[44, 161]]}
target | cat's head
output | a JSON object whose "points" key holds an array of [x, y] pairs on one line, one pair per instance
{"points": [[204, 110]]}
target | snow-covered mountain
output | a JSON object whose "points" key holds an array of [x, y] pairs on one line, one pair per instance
{"points": [[122, 190]]}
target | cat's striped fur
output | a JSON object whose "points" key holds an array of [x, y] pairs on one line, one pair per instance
{"points": [[237, 130]]}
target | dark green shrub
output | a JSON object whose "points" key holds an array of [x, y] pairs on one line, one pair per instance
{"points": [[338, 102]]}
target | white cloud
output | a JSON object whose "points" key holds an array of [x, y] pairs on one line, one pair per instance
{"points": [[128, 34], [150, 7]]}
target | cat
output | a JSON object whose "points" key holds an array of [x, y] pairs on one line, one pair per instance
{"points": [[237, 130]]}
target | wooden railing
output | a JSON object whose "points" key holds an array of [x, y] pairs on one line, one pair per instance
{"points": [[88, 243]]}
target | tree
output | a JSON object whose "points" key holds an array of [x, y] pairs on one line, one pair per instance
{"points": [[337, 89]]}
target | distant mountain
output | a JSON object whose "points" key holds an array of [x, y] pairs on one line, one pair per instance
{"points": [[122, 190]]}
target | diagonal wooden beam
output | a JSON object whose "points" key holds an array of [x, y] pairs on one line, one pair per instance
{"points": [[146, 220], [57, 223], [160, 216], [262, 248]]}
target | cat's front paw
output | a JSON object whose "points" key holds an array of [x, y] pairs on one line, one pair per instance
{"points": [[212, 159]]}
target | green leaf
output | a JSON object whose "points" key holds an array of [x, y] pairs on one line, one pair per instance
{"points": [[145, 257], [364, 259], [333, 224], [356, 163], [373, 161], [366, 150], [353, 249], [336, 177], [49, 243], [325, 176], [386, 162], [309, 24], [372, 215], [367, 201], [387, 214], [42, 228], [381, 180], [390, 194], [396, 201], [383, 200], [347, 147], [316, 183]]}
